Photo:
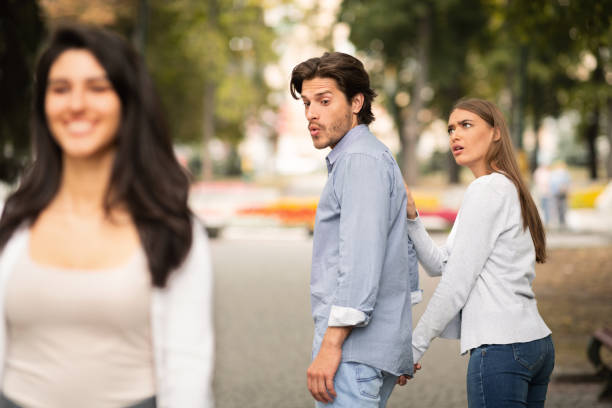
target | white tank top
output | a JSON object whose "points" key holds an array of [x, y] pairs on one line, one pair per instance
{"points": [[79, 338]]}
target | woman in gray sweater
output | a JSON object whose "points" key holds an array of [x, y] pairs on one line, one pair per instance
{"points": [[487, 266]]}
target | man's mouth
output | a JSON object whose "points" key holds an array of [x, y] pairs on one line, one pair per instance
{"points": [[314, 130]]}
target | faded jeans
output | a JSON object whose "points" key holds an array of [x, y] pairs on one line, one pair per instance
{"points": [[360, 386], [510, 375]]}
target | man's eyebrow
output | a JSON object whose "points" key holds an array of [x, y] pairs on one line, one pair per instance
{"points": [[319, 94], [326, 91]]}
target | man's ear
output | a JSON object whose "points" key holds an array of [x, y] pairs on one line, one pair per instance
{"points": [[357, 103]]}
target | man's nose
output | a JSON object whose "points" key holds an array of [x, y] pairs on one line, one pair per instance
{"points": [[311, 113]]}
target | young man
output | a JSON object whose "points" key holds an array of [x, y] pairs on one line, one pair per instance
{"points": [[364, 266]]}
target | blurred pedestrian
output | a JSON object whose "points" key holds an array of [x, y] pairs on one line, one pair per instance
{"points": [[542, 184], [364, 266], [559, 187], [105, 277], [487, 268]]}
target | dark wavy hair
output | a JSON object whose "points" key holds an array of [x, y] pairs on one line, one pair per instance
{"points": [[145, 175], [346, 70]]}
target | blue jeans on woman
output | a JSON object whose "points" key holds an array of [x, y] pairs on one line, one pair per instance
{"points": [[510, 375]]}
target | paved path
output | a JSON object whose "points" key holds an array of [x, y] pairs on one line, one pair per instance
{"points": [[264, 333]]}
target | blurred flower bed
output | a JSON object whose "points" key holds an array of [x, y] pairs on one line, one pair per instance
{"points": [[291, 212], [295, 212]]}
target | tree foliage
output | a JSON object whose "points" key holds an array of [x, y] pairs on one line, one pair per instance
{"points": [[21, 30], [534, 58]]}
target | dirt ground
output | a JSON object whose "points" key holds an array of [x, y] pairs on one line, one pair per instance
{"points": [[574, 292]]}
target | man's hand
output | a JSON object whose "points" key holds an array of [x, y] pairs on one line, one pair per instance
{"points": [[403, 379], [321, 372]]}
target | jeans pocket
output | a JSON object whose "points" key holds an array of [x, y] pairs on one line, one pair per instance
{"points": [[369, 381], [531, 354]]}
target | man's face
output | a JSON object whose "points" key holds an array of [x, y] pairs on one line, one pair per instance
{"points": [[330, 116]]}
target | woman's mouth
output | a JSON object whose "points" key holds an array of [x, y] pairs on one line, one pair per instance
{"points": [[457, 150]]}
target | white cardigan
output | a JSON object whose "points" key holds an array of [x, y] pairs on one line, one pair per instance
{"points": [[487, 266], [181, 324]]}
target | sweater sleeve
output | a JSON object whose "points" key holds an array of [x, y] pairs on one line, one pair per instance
{"points": [[477, 230], [188, 344], [432, 257]]}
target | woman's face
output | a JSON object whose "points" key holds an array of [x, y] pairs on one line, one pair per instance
{"points": [[83, 110], [470, 137]]}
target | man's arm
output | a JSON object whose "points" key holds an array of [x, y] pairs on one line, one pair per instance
{"points": [[361, 185], [322, 370]]}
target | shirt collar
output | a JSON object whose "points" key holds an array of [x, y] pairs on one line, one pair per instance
{"points": [[343, 144]]}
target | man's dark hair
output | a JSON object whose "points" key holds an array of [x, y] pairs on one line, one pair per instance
{"points": [[349, 73]]}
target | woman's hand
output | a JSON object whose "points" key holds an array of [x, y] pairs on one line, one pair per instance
{"points": [[411, 211], [403, 379]]}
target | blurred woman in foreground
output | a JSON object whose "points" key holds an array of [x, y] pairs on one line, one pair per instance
{"points": [[487, 267], [105, 278]]}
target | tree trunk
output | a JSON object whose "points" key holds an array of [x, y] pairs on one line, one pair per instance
{"points": [[609, 135], [208, 114], [411, 128], [537, 123], [208, 128], [592, 130], [453, 169]]}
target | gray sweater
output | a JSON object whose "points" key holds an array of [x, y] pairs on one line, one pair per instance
{"points": [[487, 266]]}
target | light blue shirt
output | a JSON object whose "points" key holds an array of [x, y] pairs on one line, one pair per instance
{"points": [[364, 265]]}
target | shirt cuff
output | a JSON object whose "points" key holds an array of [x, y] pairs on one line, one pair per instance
{"points": [[416, 355], [341, 316], [416, 296]]}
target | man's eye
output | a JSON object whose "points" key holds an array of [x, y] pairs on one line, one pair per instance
{"points": [[306, 103], [325, 102]]}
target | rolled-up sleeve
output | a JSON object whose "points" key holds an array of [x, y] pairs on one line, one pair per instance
{"points": [[362, 184]]}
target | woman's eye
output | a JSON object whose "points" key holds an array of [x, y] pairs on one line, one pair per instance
{"points": [[467, 125], [451, 131], [100, 87], [59, 89]]}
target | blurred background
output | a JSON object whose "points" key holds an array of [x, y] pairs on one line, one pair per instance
{"points": [[222, 68]]}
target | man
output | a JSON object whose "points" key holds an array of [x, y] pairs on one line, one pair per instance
{"points": [[364, 267]]}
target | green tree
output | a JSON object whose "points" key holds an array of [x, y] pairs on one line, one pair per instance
{"points": [[537, 61], [207, 58], [420, 51], [21, 30]]}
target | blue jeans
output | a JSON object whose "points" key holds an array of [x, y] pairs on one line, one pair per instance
{"points": [[360, 386], [510, 375]]}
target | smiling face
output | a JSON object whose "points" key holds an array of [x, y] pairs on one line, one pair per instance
{"points": [[82, 109], [330, 116], [470, 139]]}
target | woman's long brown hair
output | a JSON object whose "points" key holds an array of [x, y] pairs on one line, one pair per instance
{"points": [[500, 158]]}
